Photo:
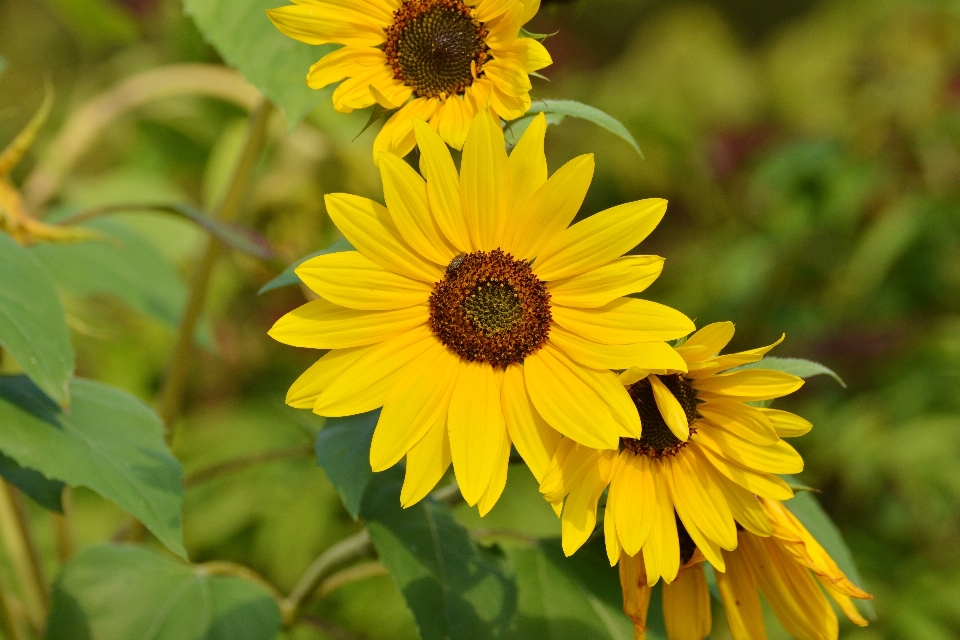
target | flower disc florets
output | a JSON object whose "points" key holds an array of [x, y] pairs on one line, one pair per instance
{"points": [[491, 308], [435, 46], [656, 439]]}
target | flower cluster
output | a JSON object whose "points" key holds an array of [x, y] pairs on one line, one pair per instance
{"points": [[481, 317]]}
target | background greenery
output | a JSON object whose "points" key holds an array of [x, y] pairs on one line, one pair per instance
{"points": [[811, 155]]}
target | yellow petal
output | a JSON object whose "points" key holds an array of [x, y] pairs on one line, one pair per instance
{"points": [[670, 408], [600, 286], [351, 280], [552, 207], [476, 428], [583, 404], [556, 479], [740, 600], [355, 92], [454, 119], [731, 360], [648, 355], [323, 325], [366, 383], [762, 484], [406, 195], [610, 539], [427, 461], [744, 506], [527, 167], [535, 440], [304, 391], [707, 342], [489, 9], [498, 481], [661, 553], [700, 502], [397, 135], [531, 55], [313, 24], [779, 457], [843, 602], [418, 400], [483, 182], [443, 185], [580, 510], [502, 31], [751, 384], [686, 606], [602, 237], [624, 321], [786, 424], [509, 107], [530, 8], [369, 227], [635, 501], [508, 76], [740, 419], [636, 593]]}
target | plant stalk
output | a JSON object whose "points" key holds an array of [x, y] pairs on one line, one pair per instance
{"points": [[8, 622], [23, 555], [227, 209], [63, 527]]}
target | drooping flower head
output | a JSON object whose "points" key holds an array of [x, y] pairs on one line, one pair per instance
{"points": [[453, 57], [476, 317], [785, 566], [701, 459]]}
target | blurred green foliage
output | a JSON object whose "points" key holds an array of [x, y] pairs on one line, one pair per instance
{"points": [[811, 156]]}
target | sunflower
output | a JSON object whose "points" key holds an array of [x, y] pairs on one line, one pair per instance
{"points": [[785, 566], [454, 57], [701, 458], [476, 318]]}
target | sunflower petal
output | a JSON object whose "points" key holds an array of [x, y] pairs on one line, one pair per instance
{"points": [[304, 391], [750, 384], [345, 62], [600, 286], [536, 441], [646, 355], [320, 324], [443, 185], [738, 590], [351, 280], [740, 419], [531, 54], [707, 342], [527, 167], [602, 237], [427, 461], [686, 606], [634, 501], [406, 195], [762, 484], [786, 424], [624, 321], [483, 182], [580, 510], [779, 457], [397, 136], [701, 501], [661, 553], [670, 409], [327, 25], [498, 482]]}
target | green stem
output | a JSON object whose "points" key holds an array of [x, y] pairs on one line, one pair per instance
{"points": [[227, 210], [23, 555], [238, 464], [63, 531], [8, 622]]}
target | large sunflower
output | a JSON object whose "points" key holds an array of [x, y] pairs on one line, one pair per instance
{"points": [[702, 455], [455, 57], [785, 566], [476, 317]]}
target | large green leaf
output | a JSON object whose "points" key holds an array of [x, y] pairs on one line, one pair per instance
{"points": [[567, 598], [794, 366], [818, 523], [248, 41], [343, 452], [109, 441], [44, 491], [33, 325], [123, 264], [455, 590], [575, 109], [126, 593], [288, 276]]}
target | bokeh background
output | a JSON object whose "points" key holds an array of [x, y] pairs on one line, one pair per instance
{"points": [[810, 152]]}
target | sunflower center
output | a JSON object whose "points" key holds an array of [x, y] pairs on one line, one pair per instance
{"points": [[490, 308], [432, 46], [656, 439]]}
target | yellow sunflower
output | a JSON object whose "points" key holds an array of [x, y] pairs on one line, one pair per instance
{"points": [[454, 57], [785, 566], [476, 318], [702, 456]]}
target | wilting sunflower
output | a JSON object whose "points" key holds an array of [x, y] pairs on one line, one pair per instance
{"points": [[702, 455], [476, 318], [785, 566], [454, 57]]}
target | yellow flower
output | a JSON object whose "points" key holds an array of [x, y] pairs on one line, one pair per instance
{"points": [[785, 566], [455, 57], [703, 454], [476, 317]]}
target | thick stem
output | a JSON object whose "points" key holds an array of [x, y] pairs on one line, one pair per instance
{"points": [[63, 527], [227, 209], [23, 555], [8, 622]]}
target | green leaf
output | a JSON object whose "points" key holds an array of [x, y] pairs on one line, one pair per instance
{"points": [[232, 235], [818, 523], [109, 441], [536, 36], [516, 128], [343, 452], [124, 264], [119, 593], [33, 325], [576, 109], [44, 491], [454, 589], [247, 40], [567, 598], [794, 366], [288, 277]]}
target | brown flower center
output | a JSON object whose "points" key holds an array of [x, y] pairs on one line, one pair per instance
{"points": [[432, 45], [656, 438], [490, 308]]}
